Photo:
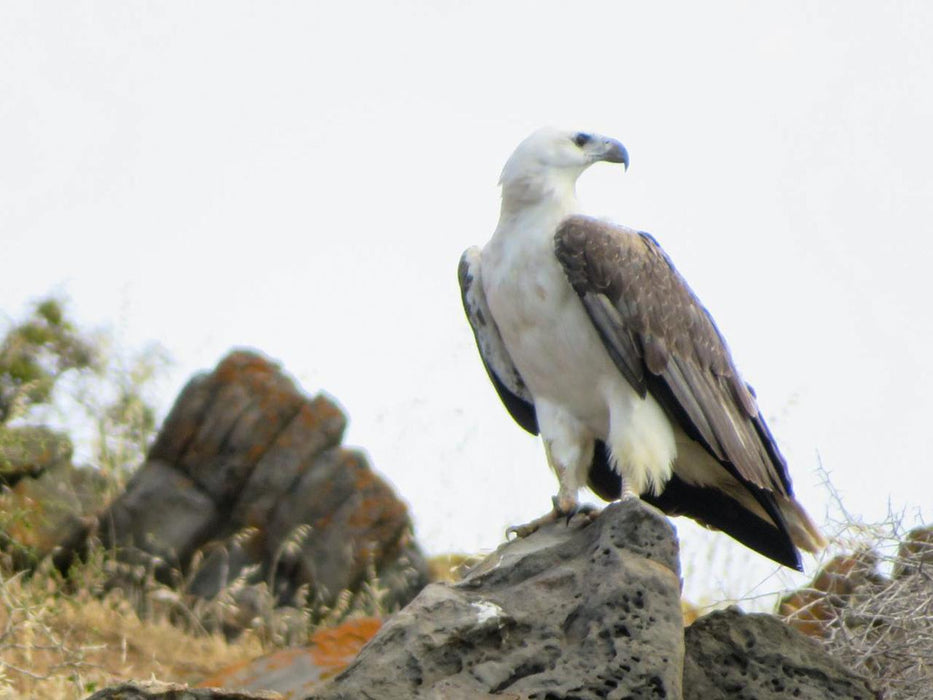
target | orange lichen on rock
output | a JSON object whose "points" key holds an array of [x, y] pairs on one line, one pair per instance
{"points": [[244, 363], [333, 649], [295, 672], [811, 609]]}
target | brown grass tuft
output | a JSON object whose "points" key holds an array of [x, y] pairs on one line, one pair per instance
{"points": [[58, 645]]}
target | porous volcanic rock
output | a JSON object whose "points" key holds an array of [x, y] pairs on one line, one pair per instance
{"points": [[736, 656], [250, 473], [572, 611]]}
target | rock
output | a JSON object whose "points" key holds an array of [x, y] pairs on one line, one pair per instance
{"points": [[576, 611], [589, 610], [184, 519], [28, 451], [814, 608], [154, 690], [344, 503], [734, 656], [44, 493], [915, 553], [569, 612], [247, 482]]}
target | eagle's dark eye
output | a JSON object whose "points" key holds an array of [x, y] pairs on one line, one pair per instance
{"points": [[581, 139]]}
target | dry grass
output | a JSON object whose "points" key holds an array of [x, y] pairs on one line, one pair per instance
{"points": [[110, 621], [873, 608], [59, 645], [885, 633]]}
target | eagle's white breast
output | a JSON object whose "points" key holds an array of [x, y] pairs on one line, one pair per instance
{"points": [[579, 394]]}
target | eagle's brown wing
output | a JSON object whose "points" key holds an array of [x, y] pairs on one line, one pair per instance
{"points": [[665, 343]]}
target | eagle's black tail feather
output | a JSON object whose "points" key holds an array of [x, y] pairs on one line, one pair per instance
{"points": [[710, 507]]}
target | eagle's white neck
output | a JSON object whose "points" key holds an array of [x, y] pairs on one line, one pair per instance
{"points": [[538, 196]]}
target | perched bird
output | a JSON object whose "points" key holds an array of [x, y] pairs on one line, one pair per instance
{"points": [[593, 339]]}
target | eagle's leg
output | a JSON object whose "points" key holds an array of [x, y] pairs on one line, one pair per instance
{"points": [[536, 524], [569, 453], [582, 512]]}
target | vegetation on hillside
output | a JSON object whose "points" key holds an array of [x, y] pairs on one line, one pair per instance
{"points": [[54, 374], [106, 620], [63, 638]]}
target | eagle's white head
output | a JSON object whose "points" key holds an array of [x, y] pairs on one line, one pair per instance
{"points": [[548, 163]]}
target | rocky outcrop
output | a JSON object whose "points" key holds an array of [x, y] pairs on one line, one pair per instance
{"points": [[249, 473], [569, 612], [585, 612]]}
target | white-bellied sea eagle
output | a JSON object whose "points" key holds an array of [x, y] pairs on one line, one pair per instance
{"points": [[593, 339]]}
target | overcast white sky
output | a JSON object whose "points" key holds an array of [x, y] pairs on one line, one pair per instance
{"points": [[302, 177]]}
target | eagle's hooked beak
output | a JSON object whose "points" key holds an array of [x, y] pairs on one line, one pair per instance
{"points": [[614, 152]]}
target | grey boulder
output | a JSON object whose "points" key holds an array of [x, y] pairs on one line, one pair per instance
{"points": [[569, 612], [734, 656]]}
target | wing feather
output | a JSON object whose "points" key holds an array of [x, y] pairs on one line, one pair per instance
{"points": [[664, 342], [619, 341], [499, 366]]}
